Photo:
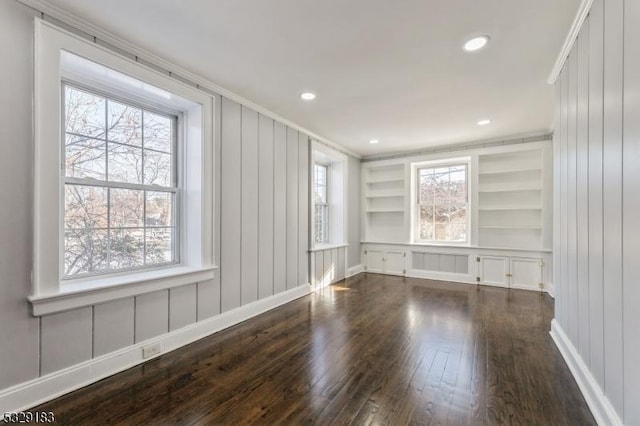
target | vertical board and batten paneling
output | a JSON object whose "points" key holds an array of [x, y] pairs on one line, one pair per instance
{"points": [[612, 201], [563, 289], [572, 127], [582, 188], [303, 208], [66, 339], [209, 291], [292, 208], [231, 204], [19, 331], [151, 315], [631, 213], [261, 226], [183, 306], [599, 90], [113, 326], [249, 207], [340, 264], [265, 206], [596, 282], [353, 212], [280, 229]]}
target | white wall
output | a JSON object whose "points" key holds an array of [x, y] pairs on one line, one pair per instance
{"points": [[262, 229], [353, 212], [596, 248]]}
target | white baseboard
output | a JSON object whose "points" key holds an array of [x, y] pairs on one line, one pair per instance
{"points": [[550, 289], [34, 392], [354, 270], [601, 408]]}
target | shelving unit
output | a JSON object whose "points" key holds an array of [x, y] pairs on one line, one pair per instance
{"points": [[384, 201], [510, 199]]}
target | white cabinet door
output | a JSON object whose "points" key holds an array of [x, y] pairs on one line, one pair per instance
{"points": [[526, 273], [395, 262], [373, 259], [494, 270]]}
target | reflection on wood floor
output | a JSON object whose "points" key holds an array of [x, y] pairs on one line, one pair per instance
{"points": [[369, 350]]}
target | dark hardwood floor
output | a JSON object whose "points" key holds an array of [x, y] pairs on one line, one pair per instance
{"points": [[369, 350]]}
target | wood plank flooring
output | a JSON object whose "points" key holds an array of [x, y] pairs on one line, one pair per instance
{"points": [[370, 350]]}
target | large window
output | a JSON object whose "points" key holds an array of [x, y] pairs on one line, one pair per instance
{"points": [[120, 185], [442, 204], [321, 204], [123, 177]]}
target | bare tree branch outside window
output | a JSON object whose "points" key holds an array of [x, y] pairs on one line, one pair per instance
{"points": [[120, 185], [442, 203]]}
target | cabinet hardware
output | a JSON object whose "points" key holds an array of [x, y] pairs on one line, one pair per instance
{"points": [[478, 259], [509, 275], [478, 279]]}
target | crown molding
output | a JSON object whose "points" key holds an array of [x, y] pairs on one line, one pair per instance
{"points": [[180, 73], [572, 36]]}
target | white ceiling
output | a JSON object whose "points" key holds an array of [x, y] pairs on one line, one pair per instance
{"points": [[389, 70]]}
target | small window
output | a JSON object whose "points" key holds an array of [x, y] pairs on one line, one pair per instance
{"points": [[120, 185], [321, 213], [442, 204]]}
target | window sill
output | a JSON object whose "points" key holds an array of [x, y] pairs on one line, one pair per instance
{"points": [[322, 247], [93, 291]]}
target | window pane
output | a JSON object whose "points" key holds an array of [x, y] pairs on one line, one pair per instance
{"points": [[441, 185], [85, 251], [426, 186], [127, 248], [85, 157], [84, 113], [125, 123], [441, 219], [159, 208], [458, 184], [157, 168], [458, 213], [85, 207], [458, 232], [127, 208], [425, 225], [125, 163], [157, 132], [159, 245]]}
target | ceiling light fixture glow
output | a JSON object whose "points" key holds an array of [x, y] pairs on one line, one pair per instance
{"points": [[374, 141], [484, 122], [307, 96], [476, 43]]}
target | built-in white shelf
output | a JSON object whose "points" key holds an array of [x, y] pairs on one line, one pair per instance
{"points": [[510, 227], [510, 199], [385, 211], [510, 171], [384, 180], [384, 194], [510, 208]]}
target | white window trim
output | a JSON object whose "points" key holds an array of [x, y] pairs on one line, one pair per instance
{"points": [[327, 167], [414, 200], [337, 169], [49, 294]]}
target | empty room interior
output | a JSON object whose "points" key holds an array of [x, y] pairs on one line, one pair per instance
{"points": [[320, 212]]}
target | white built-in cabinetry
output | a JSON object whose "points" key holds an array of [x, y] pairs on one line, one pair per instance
{"points": [[509, 224], [391, 261]]}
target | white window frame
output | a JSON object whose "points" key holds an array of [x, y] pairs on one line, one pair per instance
{"points": [[337, 172], [325, 206], [415, 209], [50, 293]]}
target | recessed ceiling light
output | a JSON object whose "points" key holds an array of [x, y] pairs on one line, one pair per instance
{"points": [[484, 122], [374, 141], [476, 43], [307, 96]]}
